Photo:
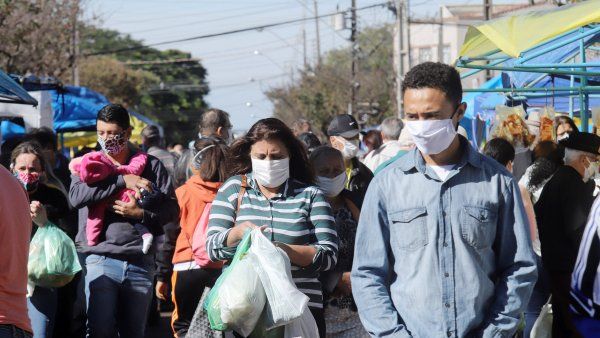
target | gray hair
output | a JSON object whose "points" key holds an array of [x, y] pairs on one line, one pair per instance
{"points": [[391, 128], [572, 155], [212, 119]]}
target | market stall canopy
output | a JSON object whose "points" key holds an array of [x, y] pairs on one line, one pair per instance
{"points": [[512, 35], [12, 92], [76, 108]]}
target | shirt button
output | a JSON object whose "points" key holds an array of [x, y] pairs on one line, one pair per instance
{"points": [[444, 213], [449, 334], [445, 244], [447, 305], [446, 275]]}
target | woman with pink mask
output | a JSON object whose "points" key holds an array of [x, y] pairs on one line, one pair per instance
{"points": [[47, 205]]}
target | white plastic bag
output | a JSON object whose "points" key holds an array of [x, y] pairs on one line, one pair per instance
{"points": [[242, 298], [285, 302], [303, 327]]}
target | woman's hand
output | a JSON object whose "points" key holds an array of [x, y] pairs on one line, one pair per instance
{"points": [[237, 232], [129, 209], [38, 213], [344, 286], [162, 290]]}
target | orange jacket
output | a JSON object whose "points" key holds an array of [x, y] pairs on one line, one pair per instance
{"points": [[192, 198]]}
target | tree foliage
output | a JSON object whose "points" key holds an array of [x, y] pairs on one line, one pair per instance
{"points": [[325, 91], [37, 36], [171, 93]]}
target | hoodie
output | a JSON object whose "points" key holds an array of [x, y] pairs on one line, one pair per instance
{"points": [[192, 198]]}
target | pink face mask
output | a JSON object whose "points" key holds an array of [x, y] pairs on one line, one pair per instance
{"points": [[29, 180]]}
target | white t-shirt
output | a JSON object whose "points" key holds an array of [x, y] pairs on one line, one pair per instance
{"points": [[442, 171]]}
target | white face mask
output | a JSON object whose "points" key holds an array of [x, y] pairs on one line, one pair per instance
{"points": [[350, 147], [590, 171], [271, 173], [332, 186], [432, 136]]}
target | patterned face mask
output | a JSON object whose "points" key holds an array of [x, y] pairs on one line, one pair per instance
{"points": [[29, 180], [114, 144]]}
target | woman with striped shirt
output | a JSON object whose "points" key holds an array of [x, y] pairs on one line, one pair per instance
{"points": [[276, 182]]}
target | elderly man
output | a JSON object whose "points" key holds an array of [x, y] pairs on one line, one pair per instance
{"points": [[561, 214], [152, 144], [390, 132], [442, 245]]}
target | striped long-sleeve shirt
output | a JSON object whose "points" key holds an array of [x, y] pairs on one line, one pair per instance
{"points": [[585, 282], [298, 215]]}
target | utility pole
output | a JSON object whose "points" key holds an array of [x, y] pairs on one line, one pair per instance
{"points": [[317, 30], [354, 83], [304, 49], [441, 37], [75, 39], [407, 21], [399, 56]]}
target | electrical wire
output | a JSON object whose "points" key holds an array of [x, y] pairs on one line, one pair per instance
{"points": [[235, 31]]}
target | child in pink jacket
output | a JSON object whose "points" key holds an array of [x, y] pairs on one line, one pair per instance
{"points": [[95, 167]]}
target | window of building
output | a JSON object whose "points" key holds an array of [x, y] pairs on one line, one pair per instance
{"points": [[424, 54], [447, 54]]}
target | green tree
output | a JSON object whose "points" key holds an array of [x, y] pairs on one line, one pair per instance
{"points": [[172, 92], [325, 91]]}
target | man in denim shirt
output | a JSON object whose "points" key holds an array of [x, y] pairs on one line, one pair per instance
{"points": [[442, 247]]}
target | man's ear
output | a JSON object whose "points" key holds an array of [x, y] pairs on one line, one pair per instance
{"points": [[333, 141], [128, 132], [509, 166], [219, 131], [460, 111]]}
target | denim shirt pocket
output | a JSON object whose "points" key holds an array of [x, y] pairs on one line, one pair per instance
{"points": [[408, 227], [478, 226]]}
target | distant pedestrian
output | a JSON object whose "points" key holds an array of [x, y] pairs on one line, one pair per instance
{"points": [[391, 128], [152, 144]]}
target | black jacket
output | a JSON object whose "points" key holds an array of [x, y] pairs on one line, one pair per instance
{"points": [[561, 214], [360, 177]]}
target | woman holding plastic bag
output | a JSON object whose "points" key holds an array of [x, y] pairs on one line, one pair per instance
{"points": [[278, 195], [48, 205], [341, 316], [191, 274]]}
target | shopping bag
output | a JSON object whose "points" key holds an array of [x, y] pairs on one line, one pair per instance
{"points": [[285, 302], [542, 328], [53, 259], [200, 326], [237, 280], [303, 327]]}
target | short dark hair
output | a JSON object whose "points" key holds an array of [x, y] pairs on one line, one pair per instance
{"points": [[212, 119], [271, 129], [500, 150], [151, 134], [212, 166], [435, 75], [310, 140], [44, 136], [30, 147], [114, 113], [326, 152]]}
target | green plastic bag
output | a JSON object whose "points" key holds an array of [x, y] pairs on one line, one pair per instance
{"points": [[212, 304], [53, 259]]}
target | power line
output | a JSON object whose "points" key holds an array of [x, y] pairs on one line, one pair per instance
{"points": [[235, 31]]}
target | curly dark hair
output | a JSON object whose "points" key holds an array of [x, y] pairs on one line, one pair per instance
{"points": [[271, 129], [435, 75]]}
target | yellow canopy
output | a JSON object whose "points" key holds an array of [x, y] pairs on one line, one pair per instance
{"points": [[89, 138], [515, 34]]}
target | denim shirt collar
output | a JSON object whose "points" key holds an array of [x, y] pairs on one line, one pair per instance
{"points": [[414, 160]]}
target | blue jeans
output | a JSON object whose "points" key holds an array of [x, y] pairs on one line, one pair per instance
{"points": [[11, 331], [118, 296], [41, 307]]}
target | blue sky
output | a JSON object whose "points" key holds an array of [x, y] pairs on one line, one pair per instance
{"points": [[241, 66]]}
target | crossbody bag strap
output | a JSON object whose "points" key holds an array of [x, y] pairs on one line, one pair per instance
{"points": [[241, 193]]}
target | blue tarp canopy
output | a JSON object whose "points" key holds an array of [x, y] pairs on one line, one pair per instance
{"points": [[12, 92], [75, 108]]}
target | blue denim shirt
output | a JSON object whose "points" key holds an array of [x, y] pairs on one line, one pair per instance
{"points": [[443, 259]]}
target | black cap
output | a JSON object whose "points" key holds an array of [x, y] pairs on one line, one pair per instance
{"points": [[343, 125], [587, 142]]}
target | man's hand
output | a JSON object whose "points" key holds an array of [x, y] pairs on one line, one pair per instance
{"points": [[129, 209], [135, 183], [162, 290], [38, 213]]}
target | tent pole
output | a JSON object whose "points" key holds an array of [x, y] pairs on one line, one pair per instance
{"points": [[583, 97]]}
